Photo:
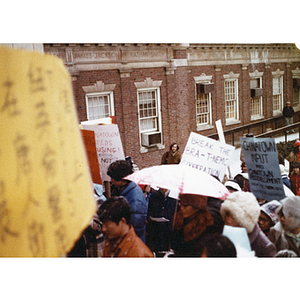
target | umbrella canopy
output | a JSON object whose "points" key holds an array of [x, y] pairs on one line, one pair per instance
{"points": [[182, 179]]}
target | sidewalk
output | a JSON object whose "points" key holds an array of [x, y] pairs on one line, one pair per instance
{"points": [[235, 163]]}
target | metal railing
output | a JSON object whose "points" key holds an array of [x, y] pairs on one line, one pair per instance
{"points": [[262, 126]]}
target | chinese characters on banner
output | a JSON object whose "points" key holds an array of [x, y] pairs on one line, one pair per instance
{"points": [[46, 194]]}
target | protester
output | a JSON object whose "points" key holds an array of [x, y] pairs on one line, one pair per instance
{"points": [[213, 207], [288, 113], [161, 210], [294, 155], [121, 239], [171, 157], [286, 253], [268, 216], [241, 209], [295, 178], [286, 233], [232, 186], [214, 245], [117, 170], [191, 222], [284, 176], [147, 190]]}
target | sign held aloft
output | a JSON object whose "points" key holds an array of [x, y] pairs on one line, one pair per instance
{"points": [[207, 155], [261, 158]]}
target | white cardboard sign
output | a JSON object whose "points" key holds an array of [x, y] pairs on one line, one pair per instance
{"points": [[108, 144], [207, 155]]}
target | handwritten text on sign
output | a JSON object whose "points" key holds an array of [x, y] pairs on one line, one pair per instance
{"points": [[207, 155], [108, 144], [46, 197], [261, 158]]}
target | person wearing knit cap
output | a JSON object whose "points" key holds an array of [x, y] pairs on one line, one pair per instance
{"points": [[190, 223], [241, 209], [286, 233], [295, 178], [268, 216]]}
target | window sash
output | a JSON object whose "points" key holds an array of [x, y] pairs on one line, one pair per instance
{"points": [[256, 103], [98, 106], [277, 93], [230, 99], [203, 109], [148, 110]]}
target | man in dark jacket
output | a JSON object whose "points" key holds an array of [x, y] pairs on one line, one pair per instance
{"points": [[288, 113], [161, 209], [117, 170]]}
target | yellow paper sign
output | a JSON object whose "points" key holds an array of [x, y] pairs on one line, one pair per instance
{"points": [[46, 196]]}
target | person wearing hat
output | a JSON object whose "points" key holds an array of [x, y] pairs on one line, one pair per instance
{"points": [[232, 186], [268, 216], [286, 233], [295, 178], [190, 223], [241, 209]]}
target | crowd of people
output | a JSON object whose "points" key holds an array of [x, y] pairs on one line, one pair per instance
{"points": [[145, 221]]}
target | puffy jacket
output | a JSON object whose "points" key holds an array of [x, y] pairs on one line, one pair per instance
{"points": [[138, 207]]}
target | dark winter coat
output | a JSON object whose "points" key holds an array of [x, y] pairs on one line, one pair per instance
{"points": [[170, 158], [188, 231], [288, 112], [159, 233], [213, 207], [138, 208]]}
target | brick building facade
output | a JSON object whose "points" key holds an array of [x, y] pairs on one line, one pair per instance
{"points": [[159, 93]]}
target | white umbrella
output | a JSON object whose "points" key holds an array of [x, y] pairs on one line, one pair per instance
{"points": [[182, 179]]}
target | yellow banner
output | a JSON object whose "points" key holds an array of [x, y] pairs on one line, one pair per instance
{"points": [[46, 196]]}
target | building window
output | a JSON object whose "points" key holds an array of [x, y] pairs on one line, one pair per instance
{"points": [[231, 100], [256, 106], [296, 93], [203, 106], [148, 110], [149, 114], [277, 94], [99, 105]]}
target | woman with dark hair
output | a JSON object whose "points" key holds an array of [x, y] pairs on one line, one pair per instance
{"points": [[171, 157]]}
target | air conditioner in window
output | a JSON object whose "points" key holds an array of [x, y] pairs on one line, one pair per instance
{"points": [[205, 88], [256, 93], [151, 138]]}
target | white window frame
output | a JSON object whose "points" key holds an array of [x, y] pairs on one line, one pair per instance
{"points": [[261, 115], [234, 78], [277, 74], [198, 80], [147, 86], [111, 104]]}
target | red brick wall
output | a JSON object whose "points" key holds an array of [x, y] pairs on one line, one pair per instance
{"points": [[177, 94]]}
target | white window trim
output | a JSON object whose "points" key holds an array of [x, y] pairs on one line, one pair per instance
{"points": [[204, 79], [256, 75], [230, 77], [149, 85], [280, 74], [111, 98]]}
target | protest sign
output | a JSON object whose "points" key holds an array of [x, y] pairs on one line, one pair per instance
{"points": [[108, 144], [207, 155], [261, 158], [91, 151], [46, 195]]}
